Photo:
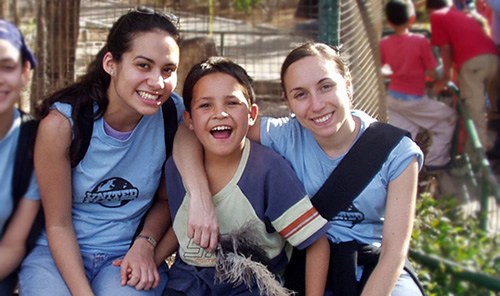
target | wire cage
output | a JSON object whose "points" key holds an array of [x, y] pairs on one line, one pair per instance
{"points": [[257, 34]]}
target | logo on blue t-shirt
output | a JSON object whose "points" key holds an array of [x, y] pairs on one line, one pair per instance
{"points": [[112, 193], [349, 218]]}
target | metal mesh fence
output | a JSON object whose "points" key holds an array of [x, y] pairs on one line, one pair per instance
{"points": [[360, 30], [256, 37]]}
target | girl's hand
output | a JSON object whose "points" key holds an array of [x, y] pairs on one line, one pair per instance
{"points": [[138, 268]]}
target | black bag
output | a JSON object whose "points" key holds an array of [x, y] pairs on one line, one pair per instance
{"points": [[358, 167]]}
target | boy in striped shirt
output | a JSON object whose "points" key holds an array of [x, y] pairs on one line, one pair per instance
{"points": [[260, 204]]}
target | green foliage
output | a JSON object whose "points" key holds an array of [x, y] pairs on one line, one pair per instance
{"points": [[245, 5], [441, 229]]}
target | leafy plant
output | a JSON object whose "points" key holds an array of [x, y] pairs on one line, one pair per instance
{"points": [[245, 5], [441, 229]]}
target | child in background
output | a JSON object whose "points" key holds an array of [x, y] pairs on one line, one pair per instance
{"points": [[251, 186], [465, 47], [494, 113], [16, 61], [411, 59]]}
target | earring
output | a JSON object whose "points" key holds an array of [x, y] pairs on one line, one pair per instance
{"points": [[111, 72]]}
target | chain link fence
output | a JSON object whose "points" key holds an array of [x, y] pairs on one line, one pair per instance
{"points": [[67, 34]]}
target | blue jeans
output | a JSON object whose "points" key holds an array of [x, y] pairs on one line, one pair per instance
{"points": [[39, 275], [405, 286]]}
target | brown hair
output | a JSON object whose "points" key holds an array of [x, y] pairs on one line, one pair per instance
{"points": [[310, 49], [212, 65]]}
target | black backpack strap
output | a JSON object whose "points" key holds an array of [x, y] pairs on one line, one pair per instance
{"points": [[170, 124], [86, 125], [23, 163], [357, 168], [345, 183], [85, 118], [23, 170]]}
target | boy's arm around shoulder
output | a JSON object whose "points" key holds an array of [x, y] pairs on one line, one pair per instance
{"points": [[202, 221]]}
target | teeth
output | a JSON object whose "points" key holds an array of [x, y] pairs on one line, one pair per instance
{"points": [[148, 96], [221, 128], [323, 119]]}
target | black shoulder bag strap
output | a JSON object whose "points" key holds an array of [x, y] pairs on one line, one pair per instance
{"points": [[345, 183], [170, 123], [23, 163], [85, 118], [357, 168], [350, 178]]}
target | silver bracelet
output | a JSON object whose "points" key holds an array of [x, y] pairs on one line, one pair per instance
{"points": [[150, 239]]}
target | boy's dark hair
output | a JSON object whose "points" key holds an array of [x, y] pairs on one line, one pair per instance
{"points": [[217, 65], [399, 12], [437, 4], [91, 88]]}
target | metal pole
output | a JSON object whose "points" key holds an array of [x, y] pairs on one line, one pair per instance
{"points": [[481, 279], [329, 21]]}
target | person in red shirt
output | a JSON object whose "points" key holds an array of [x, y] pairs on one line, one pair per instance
{"points": [[494, 114], [465, 47], [410, 58]]}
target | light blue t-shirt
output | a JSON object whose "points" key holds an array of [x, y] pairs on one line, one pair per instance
{"points": [[8, 148], [364, 219], [114, 185]]}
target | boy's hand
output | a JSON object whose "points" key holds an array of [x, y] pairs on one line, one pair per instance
{"points": [[202, 223]]}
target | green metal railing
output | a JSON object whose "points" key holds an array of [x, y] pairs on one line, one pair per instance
{"points": [[480, 171], [456, 270], [485, 184], [329, 22]]}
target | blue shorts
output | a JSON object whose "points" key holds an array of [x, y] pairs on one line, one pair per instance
{"points": [[39, 275]]}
